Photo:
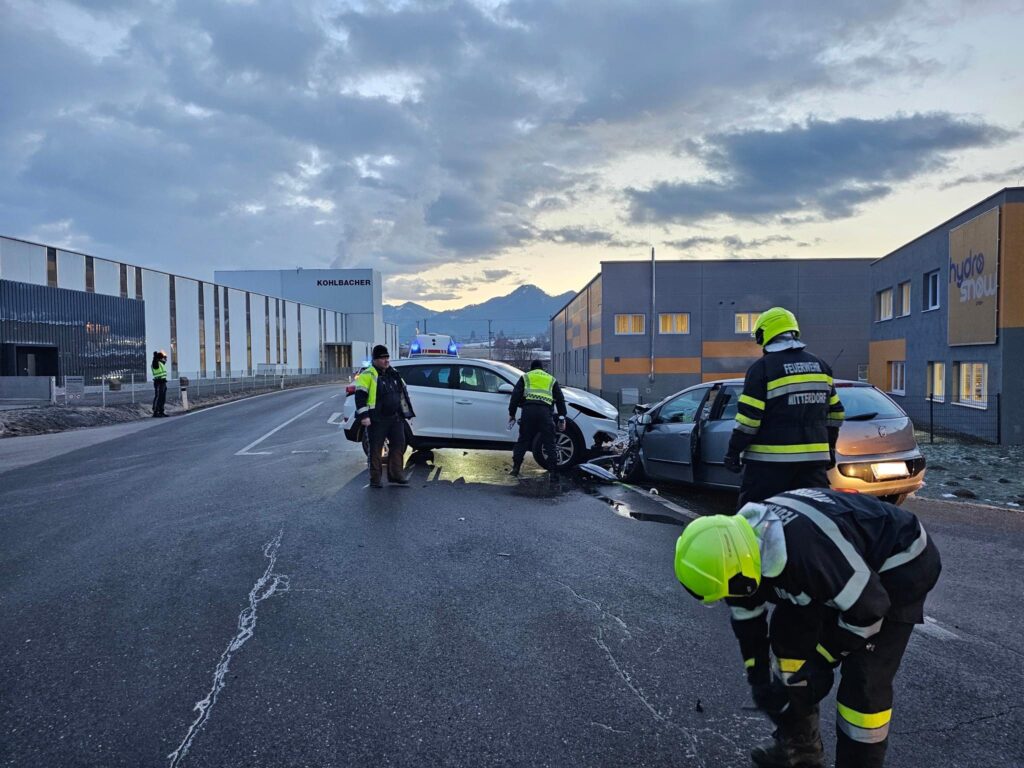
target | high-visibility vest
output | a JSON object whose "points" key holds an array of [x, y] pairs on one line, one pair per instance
{"points": [[159, 372], [539, 386], [367, 382]]}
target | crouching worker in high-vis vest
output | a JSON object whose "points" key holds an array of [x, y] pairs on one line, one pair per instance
{"points": [[848, 575], [537, 393], [382, 407]]}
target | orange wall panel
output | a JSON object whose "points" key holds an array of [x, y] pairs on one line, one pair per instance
{"points": [[1011, 267], [706, 377], [635, 365], [879, 354]]}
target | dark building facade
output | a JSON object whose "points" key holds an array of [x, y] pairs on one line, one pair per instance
{"points": [[56, 332]]}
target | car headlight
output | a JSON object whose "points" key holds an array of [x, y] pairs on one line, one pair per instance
{"points": [[592, 413]]}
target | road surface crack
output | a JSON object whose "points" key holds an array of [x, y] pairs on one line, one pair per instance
{"points": [[961, 723], [265, 587], [604, 614]]}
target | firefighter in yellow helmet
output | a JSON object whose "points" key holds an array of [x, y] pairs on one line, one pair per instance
{"points": [[788, 417], [848, 575]]}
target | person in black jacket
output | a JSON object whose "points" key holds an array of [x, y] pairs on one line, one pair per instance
{"points": [[788, 417], [537, 391], [382, 407], [848, 575]]}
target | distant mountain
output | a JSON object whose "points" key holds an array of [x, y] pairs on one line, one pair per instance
{"points": [[524, 312]]}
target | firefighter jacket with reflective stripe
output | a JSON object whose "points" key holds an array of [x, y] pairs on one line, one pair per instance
{"points": [[160, 372], [789, 410], [373, 387], [857, 558], [542, 390]]}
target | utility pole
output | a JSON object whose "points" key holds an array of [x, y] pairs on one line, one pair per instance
{"points": [[424, 325], [490, 351]]}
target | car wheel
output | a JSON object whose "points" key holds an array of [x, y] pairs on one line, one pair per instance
{"points": [[568, 446], [631, 469]]}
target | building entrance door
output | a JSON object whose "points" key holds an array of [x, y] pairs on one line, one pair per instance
{"points": [[36, 361]]}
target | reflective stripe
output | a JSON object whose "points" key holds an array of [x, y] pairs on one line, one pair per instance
{"points": [[865, 632], [746, 420], [809, 387], [746, 429], [802, 599], [753, 402], [798, 448], [908, 554], [744, 614], [867, 728], [791, 665], [864, 719], [364, 409], [784, 457], [361, 388], [834, 400], [863, 735], [849, 594], [749, 663], [799, 378], [824, 652]]}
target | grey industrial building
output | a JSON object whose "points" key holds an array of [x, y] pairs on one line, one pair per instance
{"points": [[947, 337], [604, 339], [64, 313]]}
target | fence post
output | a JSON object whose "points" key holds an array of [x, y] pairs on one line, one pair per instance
{"points": [[931, 419], [103, 390], [133, 389]]}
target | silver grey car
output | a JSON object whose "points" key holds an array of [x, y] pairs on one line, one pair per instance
{"points": [[684, 439]]}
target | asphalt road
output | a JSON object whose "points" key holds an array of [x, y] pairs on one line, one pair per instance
{"points": [[222, 589]]}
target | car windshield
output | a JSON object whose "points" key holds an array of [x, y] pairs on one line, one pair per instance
{"points": [[859, 402]]}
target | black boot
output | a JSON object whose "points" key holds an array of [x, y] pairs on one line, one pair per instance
{"points": [[796, 743], [515, 470]]}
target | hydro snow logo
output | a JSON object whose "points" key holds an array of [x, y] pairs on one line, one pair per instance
{"points": [[969, 276]]}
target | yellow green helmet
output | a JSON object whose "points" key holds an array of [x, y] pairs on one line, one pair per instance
{"points": [[773, 322], [718, 556]]}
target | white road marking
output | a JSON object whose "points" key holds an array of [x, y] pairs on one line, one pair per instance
{"points": [[245, 451], [688, 514], [932, 628], [265, 587], [334, 419]]}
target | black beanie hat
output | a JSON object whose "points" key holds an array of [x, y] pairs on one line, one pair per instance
{"points": [[380, 351], [536, 364]]}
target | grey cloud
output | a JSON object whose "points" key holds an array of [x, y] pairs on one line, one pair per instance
{"points": [[493, 275], [732, 243], [1007, 176], [585, 236], [820, 168]]}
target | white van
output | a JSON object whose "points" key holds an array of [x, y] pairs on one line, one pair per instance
{"points": [[433, 345]]}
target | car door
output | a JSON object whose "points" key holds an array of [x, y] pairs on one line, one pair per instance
{"points": [[480, 410], [432, 398], [668, 441], [718, 417]]}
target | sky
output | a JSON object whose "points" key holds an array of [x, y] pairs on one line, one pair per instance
{"points": [[465, 148]]}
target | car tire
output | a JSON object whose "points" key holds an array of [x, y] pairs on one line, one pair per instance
{"points": [[568, 444]]}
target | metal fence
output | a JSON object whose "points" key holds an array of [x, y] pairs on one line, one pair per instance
{"points": [[118, 391], [941, 419]]}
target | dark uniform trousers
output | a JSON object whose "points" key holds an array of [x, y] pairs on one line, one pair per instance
{"points": [[764, 479], [865, 684], [392, 429], [159, 395], [536, 420]]}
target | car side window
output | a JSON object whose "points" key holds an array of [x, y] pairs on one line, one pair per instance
{"points": [[436, 376], [682, 409], [474, 379], [731, 398]]}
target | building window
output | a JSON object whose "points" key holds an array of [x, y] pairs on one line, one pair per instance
{"points": [[284, 333], [90, 275], [630, 325], [51, 267], [745, 321], [674, 322], [277, 327], [266, 327], [216, 332], [904, 298], [138, 284], [298, 327], [897, 377], [883, 305], [202, 331], [248, 333], [227, 335], [937, 382], [973, 390], [124, 281], [931, 290], [172, 301]]}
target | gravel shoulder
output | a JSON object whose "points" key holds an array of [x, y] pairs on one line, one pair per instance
{"points": [[960, 471]]}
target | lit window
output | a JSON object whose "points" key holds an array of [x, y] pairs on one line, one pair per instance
{"points": [[973, 388], [674, 322], [883, 305], [897, 377], [745, 321], [904, 295], [931, 290], [630, 325], [937, 382]]}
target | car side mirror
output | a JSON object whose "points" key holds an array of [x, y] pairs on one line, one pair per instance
{"points": [[505, 388], [644, 419]]}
